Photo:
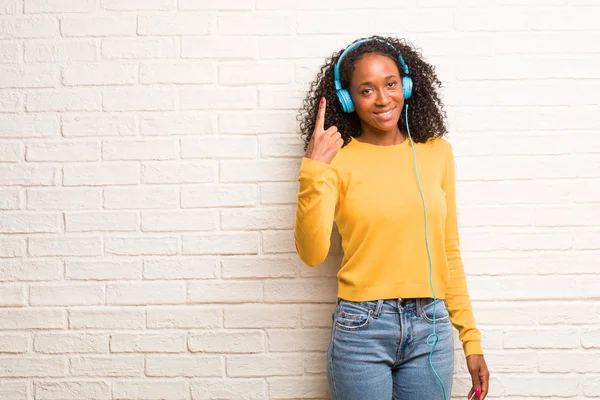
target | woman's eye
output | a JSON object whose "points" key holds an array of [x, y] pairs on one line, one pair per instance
{"points": [[393, 83], [365, 92]]}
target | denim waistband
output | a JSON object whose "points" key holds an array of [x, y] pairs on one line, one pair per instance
{"points": [[390, 305]]}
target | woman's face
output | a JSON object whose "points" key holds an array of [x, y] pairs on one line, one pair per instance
{"points": [[376, 91]]}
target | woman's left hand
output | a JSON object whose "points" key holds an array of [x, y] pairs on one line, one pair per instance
{"points": [[479, 374]]}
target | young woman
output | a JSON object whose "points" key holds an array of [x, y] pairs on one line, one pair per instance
{"points": [[377, 164]]}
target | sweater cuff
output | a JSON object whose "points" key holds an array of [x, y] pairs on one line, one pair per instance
{"points": [[313, 167], [472, 347]]}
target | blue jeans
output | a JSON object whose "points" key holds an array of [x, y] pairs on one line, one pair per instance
{"points": [[378, 350]]}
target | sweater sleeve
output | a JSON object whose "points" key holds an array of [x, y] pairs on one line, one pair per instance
{"points": [[317, 198], [457, 295]]}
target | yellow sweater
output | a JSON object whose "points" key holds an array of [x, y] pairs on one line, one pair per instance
{"points": [[371, 192]]}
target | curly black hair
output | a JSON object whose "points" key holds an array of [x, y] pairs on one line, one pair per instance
{"points": [[426, 112]]}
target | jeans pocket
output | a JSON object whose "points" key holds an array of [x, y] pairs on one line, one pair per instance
{"points": [[350, 316], [441, 312]]}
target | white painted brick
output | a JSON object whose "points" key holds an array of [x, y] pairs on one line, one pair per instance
{"points": [[260, 365], [10, 247], [179, 172], [10, 52], [317, 315], [13, 343], [76, 26], [61, 51], [219, 147], [60, 343], [67, 390], [138, 99], [255, 24], [101, 125], [219, 47], [188, 317], [258, 219], [262, 316], [131, 246], [10, 7], [279, 193], [139, 48], [565, 361], [590, 338], [11, 101], [154, 389], [64, 100], [63, 151], [101, 221], [543, 386], [147, 343], [107, 318], [98, 74], [10, 199], [227, 342], [186, 366], [259, 171], [65, 246], [252, 122], [140, 293], [28, 27], [279, 99], [33, 367], [221, 243], [138, 150], [541, 339], [165, 221], [107, 366], [16, 389], [304, 387], [140, 197], [59, 6], [12, 296], [591, 385], [29, 76], [245, 5], [290, 47], [26, 270], [178, 73], [33, 318], [64, 198], [132, 5], [259, 267], [181, 268], [212, 97], [282, 146], [176, 24], [11, 152], [224, 292], [229, 388], [282, 291], [67, 294], [291, 5], [208, 195], [368, 21], [281, 241], [196, 123], [103, 270], [244, 73], [298, 340], [100, 174]]}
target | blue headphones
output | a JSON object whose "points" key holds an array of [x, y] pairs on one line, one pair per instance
{"points": [[343, 94]]}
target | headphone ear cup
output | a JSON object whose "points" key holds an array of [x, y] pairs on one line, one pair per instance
{"points": [[407, 87], [345, 100]]}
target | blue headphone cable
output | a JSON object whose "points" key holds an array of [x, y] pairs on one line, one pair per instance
{"points": [[433, 338]]}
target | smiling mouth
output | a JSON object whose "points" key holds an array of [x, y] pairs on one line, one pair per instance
{"points": [[386, 113]]}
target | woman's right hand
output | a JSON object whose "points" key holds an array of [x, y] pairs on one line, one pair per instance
{"points": [[324, 144]]}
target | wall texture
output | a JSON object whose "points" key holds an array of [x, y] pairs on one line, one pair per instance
{"points": [[148, 164]]}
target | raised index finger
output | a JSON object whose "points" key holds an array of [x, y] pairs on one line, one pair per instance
{"points": [[321, 115]]}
